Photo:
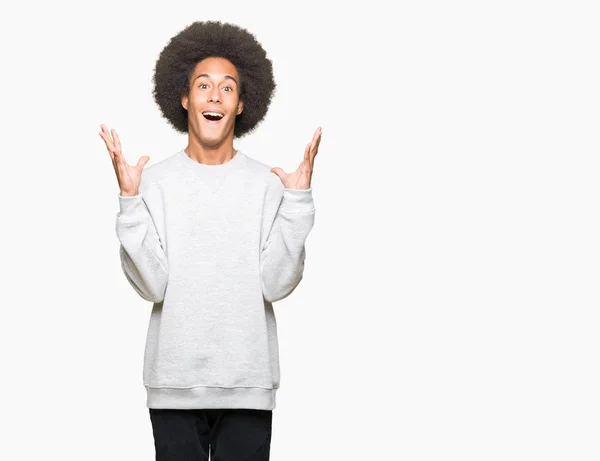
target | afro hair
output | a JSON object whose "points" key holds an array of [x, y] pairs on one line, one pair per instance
{"points": [[200, 40]]}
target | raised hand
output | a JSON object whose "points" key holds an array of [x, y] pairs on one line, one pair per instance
{"points": [[128, 176], [300, 179]]}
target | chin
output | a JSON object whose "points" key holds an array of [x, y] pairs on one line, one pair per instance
{"points": [[211, 141]]}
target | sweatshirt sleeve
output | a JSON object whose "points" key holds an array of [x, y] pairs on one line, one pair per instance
{"points": [[143, 259], [282, 257]]}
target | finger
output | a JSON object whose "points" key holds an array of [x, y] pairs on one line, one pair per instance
{"points": [[117, 140], [316, 137], [317, 134], [306, 169], [110, 152], [279, 172], [107, 134], [307, 152], [108, 138], [306, 159], [315, 149], [117, 147], [118, 161], [117, 152], [142, 162], [108, 144]]}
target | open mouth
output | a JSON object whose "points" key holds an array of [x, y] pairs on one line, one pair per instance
{"points": [[212, 116]]}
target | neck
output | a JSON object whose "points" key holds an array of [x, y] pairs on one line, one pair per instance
{"points": [[210, 155]]}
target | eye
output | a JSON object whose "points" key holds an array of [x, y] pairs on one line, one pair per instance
{"points": [[202, 85], [230, 89]]}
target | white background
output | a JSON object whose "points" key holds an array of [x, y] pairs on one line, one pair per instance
{"points": [[449, 307]]}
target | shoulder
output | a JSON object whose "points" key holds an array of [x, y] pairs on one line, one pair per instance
{"points": [[262, 172], [154, 174]]}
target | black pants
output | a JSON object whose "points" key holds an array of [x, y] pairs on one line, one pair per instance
{"points": [[229, 434]]}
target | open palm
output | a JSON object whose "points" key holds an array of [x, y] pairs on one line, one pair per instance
{"points": [[128, 176], [301, 178]]}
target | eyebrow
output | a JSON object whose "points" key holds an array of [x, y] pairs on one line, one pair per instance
{"points": [[224, 78]]}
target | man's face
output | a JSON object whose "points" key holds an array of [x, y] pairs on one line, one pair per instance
{"points": [[213, 101]]}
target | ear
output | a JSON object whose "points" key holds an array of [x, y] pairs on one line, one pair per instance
{"points": [[240, 107], [184, 101]]}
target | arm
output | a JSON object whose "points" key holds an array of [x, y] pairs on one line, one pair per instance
{"points": [[143, 259], [283, 254]]}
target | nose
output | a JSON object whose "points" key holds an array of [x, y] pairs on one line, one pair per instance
{"points": [[214, 95]]}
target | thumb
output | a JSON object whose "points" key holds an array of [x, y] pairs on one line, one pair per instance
{"points": [[279, 172], [142, 161]]}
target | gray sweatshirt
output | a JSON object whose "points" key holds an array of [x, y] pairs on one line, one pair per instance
{"points": [[213, 247]]}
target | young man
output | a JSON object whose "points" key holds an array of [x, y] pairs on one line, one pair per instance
{"points": [[213, 238]]}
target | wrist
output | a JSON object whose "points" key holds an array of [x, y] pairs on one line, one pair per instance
{"points": [[129, 194]]}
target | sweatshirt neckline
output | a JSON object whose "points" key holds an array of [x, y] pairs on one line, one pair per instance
{"points": [[203, 168]]}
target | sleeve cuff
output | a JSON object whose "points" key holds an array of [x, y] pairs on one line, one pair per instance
{"points": [[297, 201], [129, 203]]}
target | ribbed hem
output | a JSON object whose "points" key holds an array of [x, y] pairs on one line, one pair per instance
{"points": [[297, 201], [210, 397]]}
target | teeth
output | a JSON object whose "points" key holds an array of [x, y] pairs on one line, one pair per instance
{"points": [[215, 114]]}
